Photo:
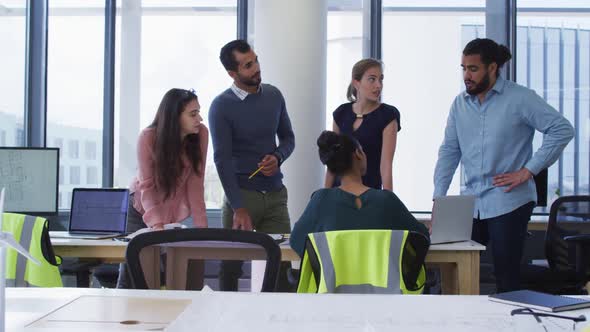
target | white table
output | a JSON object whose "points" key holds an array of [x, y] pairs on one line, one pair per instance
{"points": [[459, 262], [222, 311], [537, 222]]}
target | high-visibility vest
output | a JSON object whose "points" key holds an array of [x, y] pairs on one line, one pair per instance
{"points": [[360, 261], [33, 234]]}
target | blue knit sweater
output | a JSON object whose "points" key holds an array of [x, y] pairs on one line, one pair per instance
{"points": [[243, 131]]}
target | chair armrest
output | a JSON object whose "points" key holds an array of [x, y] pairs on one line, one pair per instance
{"points": [[582, 239], [582, 244]]}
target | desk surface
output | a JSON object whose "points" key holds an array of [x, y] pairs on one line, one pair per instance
{"points": [[460, 269], [285, 248], [211, 311], [114, 251]]}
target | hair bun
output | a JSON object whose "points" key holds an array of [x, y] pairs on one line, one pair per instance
{"points": [[503, 55], [328, 144]]}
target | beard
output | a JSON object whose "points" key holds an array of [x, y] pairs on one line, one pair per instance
{"points": [[479, 87], [250, 81]]}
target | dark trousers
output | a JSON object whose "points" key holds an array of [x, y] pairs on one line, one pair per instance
{"points": [[269, 215], [134, 223], [507, 234]]}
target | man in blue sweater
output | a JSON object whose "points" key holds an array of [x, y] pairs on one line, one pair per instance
{"points": [[245, 121]]}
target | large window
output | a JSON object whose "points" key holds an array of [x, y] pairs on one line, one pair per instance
{"points": [[75, 75], [422, 44], [553, 59], [345, 48], [163, 45], [12, 71]]}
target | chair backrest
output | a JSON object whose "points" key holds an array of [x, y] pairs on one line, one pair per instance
{"points": [[569, 215], [364, 261], [182, 245]]}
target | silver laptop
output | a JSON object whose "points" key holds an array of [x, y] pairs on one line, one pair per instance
{"points": [[452, 219], [97, 213]]}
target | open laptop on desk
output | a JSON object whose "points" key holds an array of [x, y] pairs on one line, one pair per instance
{"points": [[97, 213], [452, 219]]}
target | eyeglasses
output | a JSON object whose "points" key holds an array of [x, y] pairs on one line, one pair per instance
{"points": [[537, 315], [191, 91]]}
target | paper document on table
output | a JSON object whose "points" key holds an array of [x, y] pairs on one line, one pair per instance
{"points": [[307, 312], [113, 313]]}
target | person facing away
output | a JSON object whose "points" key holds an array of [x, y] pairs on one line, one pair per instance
{"points": [[171, 156], [373, 123], [490, 130], [352, 205], [245, 121]]}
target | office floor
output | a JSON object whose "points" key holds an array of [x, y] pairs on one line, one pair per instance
{"points": [[108, 277], [486, 285]]}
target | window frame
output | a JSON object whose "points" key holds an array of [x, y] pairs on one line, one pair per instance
{"points": [[35, 112]]}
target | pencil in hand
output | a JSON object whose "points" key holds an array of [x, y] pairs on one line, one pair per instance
{"points": [[255, 172]]}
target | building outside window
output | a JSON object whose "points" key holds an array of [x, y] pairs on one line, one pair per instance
{"points": [[12, 71], [75, 83], [61, 174], [345, 48], [19, 136], [73, 151], [553, 59], [91, 175], [422, 45], [90, 150], [75, 175], [59, 143], [146, 32]]}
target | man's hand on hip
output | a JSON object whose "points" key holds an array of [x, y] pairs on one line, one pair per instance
{"points": [[242, 220], [512, 180], [269, 164]]}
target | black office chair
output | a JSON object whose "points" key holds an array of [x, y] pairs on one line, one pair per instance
{"points": [[567, 248], [187, 238]]}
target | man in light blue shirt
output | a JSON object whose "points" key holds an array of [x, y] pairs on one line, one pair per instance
{"points": [[490, 130]]}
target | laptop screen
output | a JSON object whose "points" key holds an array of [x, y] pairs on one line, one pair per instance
{"points": [[99, 210]]}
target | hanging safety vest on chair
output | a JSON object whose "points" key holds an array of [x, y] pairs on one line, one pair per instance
{"points": [[363, 261], [32, 233]]}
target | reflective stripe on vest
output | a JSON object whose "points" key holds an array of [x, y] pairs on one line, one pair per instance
{"points": [[25, 241], [329, 274], [20, 272]]}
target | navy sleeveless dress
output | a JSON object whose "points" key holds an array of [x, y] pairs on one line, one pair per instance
{"points": [[369, 135]]}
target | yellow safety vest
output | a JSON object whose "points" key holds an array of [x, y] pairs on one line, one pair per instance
{"points": [[33, 234], [359, 261]]}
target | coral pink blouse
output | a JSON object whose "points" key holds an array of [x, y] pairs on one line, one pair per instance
{"points": [[188, 200]]}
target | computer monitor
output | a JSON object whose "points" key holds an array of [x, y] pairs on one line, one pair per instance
{"points": [[30, 176]]}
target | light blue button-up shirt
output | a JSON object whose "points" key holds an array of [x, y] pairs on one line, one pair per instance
{"points": [[496, 137]]}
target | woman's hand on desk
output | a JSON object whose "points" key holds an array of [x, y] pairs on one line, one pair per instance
{"points": [[158, 227], [428, 225]]}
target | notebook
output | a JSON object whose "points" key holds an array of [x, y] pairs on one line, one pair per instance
{"points": [[540, 301], [97, 213], [452, 219]]}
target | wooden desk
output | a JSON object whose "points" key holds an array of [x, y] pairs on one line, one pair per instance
{"points": [[537, 223], [459, 262], [231, 311]]}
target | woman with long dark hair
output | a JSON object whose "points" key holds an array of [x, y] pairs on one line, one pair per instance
{"points": [[171, 155]]}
